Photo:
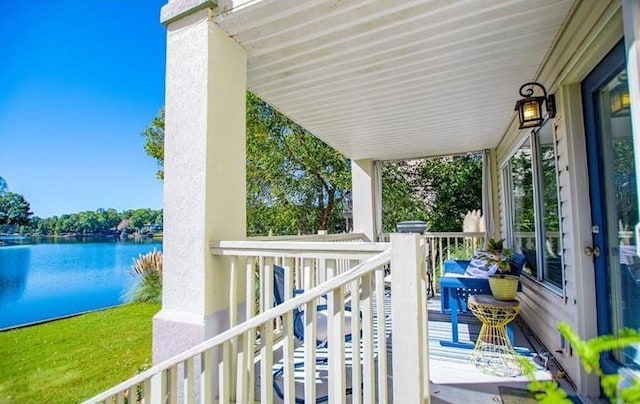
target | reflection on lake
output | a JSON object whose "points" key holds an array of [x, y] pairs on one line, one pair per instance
{"points": [[47, 280]]}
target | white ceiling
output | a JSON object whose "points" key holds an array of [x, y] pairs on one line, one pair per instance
{"points": [[392, 79]]}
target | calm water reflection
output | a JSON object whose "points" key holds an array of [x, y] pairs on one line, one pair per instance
{"points": [[48, 280]]}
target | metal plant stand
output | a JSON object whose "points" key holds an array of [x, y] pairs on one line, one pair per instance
{"points": [[493, 352]]}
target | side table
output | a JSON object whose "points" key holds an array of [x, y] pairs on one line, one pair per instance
{"points": [[493, 352]]}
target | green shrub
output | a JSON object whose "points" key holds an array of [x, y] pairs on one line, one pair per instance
{"points": [[148, 269], [462, 251]]}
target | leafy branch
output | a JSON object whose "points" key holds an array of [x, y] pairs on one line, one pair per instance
{"points": [[589, 351]]}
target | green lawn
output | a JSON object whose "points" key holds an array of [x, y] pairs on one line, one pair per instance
{"points": [[71, 360]]}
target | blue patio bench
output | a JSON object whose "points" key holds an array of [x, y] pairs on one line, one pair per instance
{"points": [[456, 287]]}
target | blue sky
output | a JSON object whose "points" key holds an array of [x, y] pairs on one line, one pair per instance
{"points": [[79, 82]]}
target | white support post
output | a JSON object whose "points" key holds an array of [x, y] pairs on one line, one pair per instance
{"points": [[365, 194], [409, 313], [204, 183]]}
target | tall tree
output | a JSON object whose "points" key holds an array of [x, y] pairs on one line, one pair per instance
{"points": [[14, 209], [295, 182]]}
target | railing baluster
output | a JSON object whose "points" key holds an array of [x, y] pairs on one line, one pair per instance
{"points": [[224, 374], [266, 364], [158, 387], [322, 270], [356, 326], [172, 384], [246, 369], [336, 313], [206, 376], [188, 385], [288, 343], [441, 258], [146, 392], [234, 302], [120, 397], [266, 337], [310, 333], [251, 288], [369, 391], [261, 278], [234, 275], [382, 335]]}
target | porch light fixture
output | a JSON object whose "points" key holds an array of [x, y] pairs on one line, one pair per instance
{"points": [[530, 107]]}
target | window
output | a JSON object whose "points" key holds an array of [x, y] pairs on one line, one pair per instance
{"points": [[532, 210]]}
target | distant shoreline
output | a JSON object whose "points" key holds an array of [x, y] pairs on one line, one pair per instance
{"points": [[14, 239]]}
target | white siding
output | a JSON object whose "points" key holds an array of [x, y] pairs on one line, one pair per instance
{"points": [[592, 30]]}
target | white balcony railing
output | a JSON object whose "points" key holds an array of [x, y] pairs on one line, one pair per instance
{"points": [[228, 367]]}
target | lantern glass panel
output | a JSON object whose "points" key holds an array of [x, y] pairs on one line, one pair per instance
{"points": [[531, 110]]}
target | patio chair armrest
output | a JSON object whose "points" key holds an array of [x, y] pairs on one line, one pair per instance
{"points": [[455, 266]]}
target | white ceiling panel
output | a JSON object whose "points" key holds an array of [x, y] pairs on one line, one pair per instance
{"points": [[393, 79]]}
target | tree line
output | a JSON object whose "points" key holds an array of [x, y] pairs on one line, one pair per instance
{"points": [[98, 222], [16, 217], [298, 184]]}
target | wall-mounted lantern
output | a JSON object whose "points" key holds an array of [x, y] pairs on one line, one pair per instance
{"points": [[530, 107]]}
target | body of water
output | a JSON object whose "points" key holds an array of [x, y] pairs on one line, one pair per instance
{"points": [[42, 281]]}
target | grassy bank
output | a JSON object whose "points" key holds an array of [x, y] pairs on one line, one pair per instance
{"points": [[70, 360]]}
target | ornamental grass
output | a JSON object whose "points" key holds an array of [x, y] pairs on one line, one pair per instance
{"points": [[148, 269]]}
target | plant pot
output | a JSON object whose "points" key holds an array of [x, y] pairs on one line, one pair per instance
{"points": [[504, 287]]}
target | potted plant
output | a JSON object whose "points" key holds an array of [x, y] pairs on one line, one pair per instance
{"points": [[503, 286]]}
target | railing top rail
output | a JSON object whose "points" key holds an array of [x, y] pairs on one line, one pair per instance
{"points": [[309, 249], [354, 273], [456, 234], [313, 237]]}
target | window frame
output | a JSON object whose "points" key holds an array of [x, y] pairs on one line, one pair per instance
{"points": [[532, 139]]}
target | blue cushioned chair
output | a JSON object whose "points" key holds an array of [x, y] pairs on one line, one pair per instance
{"points": [[298, 315]]}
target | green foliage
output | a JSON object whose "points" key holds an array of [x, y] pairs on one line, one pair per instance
{"points": [[154, 142], [71, 360], [451, 186], [14, 209], [499, 255], [400, 199], [545, 391], [589, 352], [148, 269], [295, 182], [439, 190], [298, 184], [463, 251]]}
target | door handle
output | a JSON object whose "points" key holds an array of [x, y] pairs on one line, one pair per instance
{"points": [[592, 252]]}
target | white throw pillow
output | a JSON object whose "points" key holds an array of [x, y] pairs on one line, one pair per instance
{"points": [[479, 267]]}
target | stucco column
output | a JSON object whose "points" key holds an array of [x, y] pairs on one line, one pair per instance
{"points": [[204, 183], [366, 194]]}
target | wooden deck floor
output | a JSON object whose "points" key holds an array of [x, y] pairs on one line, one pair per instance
{"points": [[453, 379]]}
